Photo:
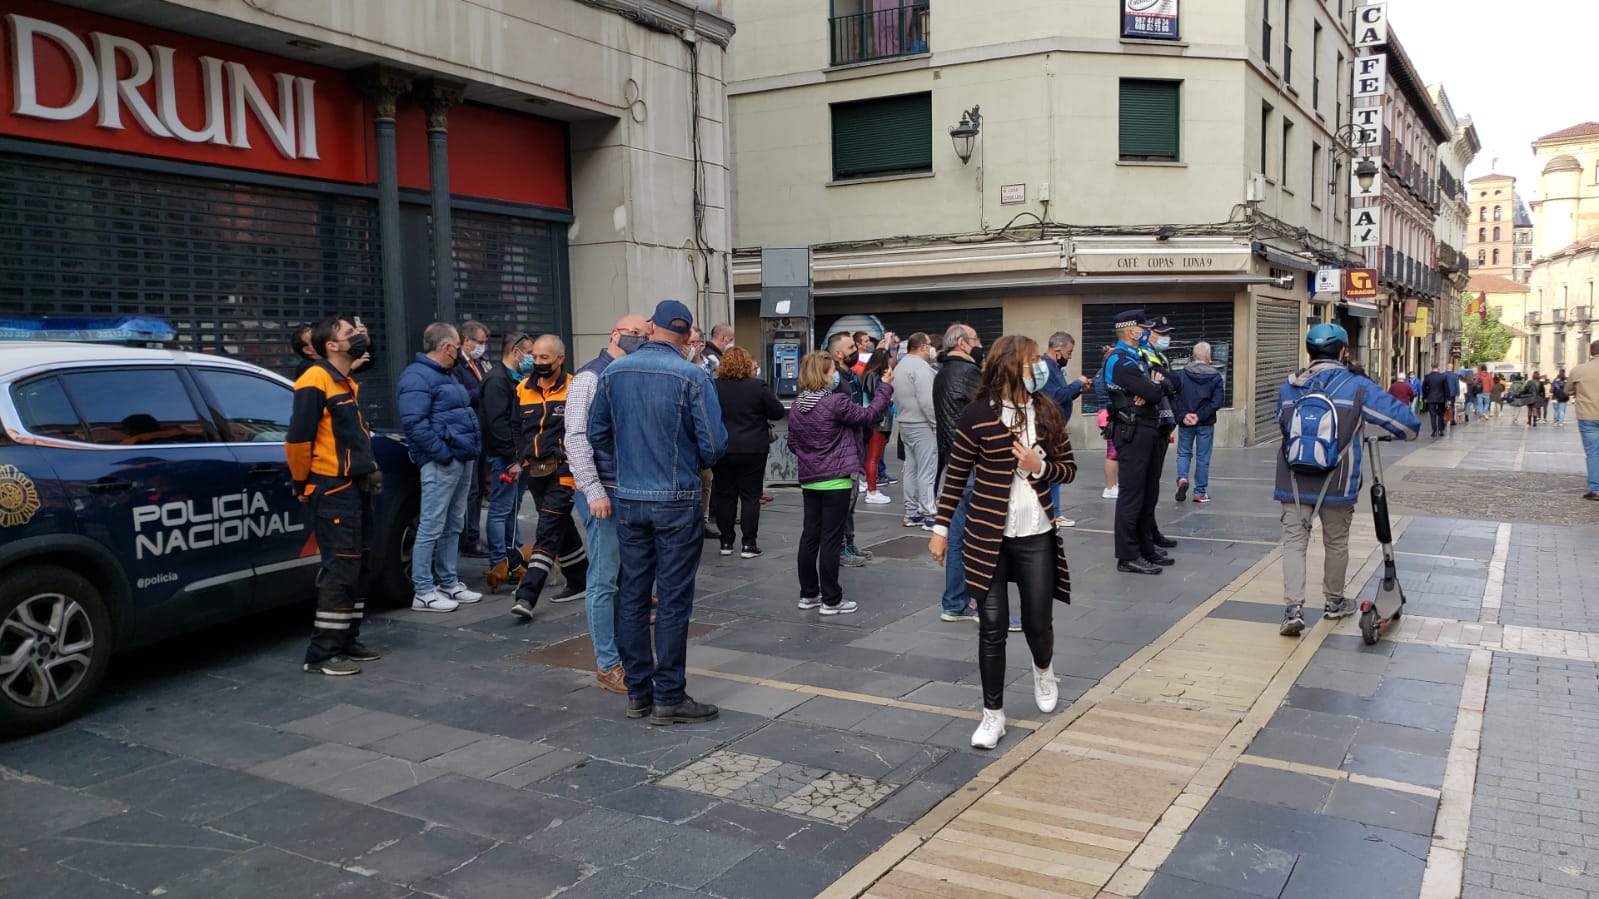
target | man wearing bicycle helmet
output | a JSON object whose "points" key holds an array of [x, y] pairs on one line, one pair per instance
{"points": [[1323, 410]]}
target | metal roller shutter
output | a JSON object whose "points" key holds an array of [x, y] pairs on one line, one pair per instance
{"points": [[883, 135], [1277, 354], [1193, 322], [507, 274], [233, 267]]}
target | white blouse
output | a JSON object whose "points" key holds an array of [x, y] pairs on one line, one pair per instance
{"points": [[1025, 516]]}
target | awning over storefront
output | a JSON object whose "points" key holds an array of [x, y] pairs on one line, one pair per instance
{"points": [[1360, 310]]}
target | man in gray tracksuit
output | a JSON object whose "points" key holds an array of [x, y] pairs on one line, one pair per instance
{"points": [[913, 377]]}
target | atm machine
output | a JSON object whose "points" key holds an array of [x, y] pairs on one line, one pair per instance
{"points": [[786, 336]]}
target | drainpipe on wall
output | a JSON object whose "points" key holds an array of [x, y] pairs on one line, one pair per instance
{"points": [[437, 96], [384, 85]]}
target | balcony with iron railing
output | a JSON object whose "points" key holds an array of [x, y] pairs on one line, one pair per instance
{"points": [[1558, 315], [1582, 314], [882, 33], [1534, 317]]}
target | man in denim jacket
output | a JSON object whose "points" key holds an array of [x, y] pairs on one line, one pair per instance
{"points": [[658, 415]]}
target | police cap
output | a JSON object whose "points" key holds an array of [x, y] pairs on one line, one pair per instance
{"points": [[1130, 318]]}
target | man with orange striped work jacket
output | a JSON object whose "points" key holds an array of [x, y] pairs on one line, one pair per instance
{"points": [[542, 396], [330, 458]]}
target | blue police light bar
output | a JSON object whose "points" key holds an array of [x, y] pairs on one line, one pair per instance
{"points": [[131, 330]]}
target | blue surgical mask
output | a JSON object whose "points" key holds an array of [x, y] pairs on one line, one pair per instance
{"points": [[1162, 343], [1036, 377], [833, 385], [525, 366]]}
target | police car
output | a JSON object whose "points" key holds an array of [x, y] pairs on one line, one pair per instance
{"points": [[145, 493]]}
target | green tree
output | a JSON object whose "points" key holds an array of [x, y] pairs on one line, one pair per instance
{"points": [[1483, 339]]}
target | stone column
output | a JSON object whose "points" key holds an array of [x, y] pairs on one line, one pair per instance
{"points": [[384, 86], [437, 96]]}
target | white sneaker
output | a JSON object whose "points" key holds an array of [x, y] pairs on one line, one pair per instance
{"points": [[1064, 522], [843, 608], [989, 730], [878, 498], [433, 601], [1045, 690], [1112, 492], [460, 593]]}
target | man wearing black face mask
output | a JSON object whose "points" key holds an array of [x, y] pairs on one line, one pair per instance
{"points": [[543, 398], [501, 415]]}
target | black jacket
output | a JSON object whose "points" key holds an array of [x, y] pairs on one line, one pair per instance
{"points": [[953, 387], [501, 413], [747, 405], [471, 373], [1435, 388]]}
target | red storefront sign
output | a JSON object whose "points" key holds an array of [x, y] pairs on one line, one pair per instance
{"points": [[73, 77], [1360, 283]]}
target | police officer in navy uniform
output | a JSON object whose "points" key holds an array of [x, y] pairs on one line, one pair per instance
{"points": [[1154, 344], [1135, 390]]}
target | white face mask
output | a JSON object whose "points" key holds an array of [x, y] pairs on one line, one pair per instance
{"points": [[729, 346], [477, 351]]}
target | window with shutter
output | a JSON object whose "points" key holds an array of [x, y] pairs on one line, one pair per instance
{"points": [[883, 136], [1149, 119]]}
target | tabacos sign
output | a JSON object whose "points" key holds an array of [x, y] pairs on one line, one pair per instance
{"points": [[83, 79]]}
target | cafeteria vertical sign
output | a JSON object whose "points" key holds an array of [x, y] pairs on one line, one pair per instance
{"points": [[1155, 19]]}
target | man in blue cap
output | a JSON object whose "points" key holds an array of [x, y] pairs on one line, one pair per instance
{"points": [[1135, 390], [658, 416], [1354, 400]]}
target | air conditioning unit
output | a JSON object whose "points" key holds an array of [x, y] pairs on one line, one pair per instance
{"points": [[1255, 191]]}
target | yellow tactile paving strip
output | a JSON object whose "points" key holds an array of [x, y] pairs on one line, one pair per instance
{"points": [[1095, 800]]}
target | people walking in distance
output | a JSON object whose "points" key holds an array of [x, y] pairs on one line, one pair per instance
{"points": [[548, 474], [1400, 390], [470, 370], [1544, 393], [1560, 396], [657, 415], [594, 479], [1498, 395], [748, 409], [1323, 410], [1010, 445], [1583, 388], [1136, 391], [953, 388], [1485, 388], [500, 414], [877, 366], [917, 423], [442, 433], [335, 475], [1065, 393], [842, 346], [1102, 396], [1452, 388], [1201, 395], [824, 431], [1435, 393], [1531, 395]]}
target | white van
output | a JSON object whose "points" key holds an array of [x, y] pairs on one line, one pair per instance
{"points": [[1510, 371]]}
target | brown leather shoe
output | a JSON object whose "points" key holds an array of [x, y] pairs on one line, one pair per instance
{"points": [[611, 680], [766, 499]]}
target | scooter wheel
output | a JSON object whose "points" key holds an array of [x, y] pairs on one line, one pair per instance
{"points": [[1368, 626]]}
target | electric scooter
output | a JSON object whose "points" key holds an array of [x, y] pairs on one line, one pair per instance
{"points": [[1385, 608]]}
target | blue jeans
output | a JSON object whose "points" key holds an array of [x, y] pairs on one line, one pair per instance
{"points": [[1193, 445], [662, 542], [438, 532], [1589, 429], [504, 499], [605, 560], [1560, 410], [956, 599], [1484, 401]]}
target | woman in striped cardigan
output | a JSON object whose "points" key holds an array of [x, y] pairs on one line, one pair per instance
{"points": [[1018, 446]]}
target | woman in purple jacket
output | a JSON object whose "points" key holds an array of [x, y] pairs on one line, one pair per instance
{"points": [[824, 431]]}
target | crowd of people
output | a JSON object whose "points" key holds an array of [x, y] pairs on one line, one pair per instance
{"points": [[662, 439]]}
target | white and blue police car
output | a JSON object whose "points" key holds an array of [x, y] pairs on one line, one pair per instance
{"points": [[144, 493]]}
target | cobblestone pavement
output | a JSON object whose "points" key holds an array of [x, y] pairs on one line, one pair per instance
{"points": [[478, 759], [1195, 750], [1455, 757]]}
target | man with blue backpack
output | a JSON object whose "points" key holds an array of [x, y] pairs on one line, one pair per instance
{"points": [[1323, 410]]}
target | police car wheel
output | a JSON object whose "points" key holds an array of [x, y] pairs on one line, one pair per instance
{"points": [[55, 646], [394, 580]]}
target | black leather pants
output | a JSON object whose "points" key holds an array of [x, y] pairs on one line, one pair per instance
{"points": [[1030, 563]]}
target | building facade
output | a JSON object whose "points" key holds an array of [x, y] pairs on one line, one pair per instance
{"points": [[1565, 266], [1491, 245], [1450, 231], [1507, 299], [239, 168], [1107, 166]]}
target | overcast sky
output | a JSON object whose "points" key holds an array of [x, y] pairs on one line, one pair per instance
{"points": [[1520, 69]]}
